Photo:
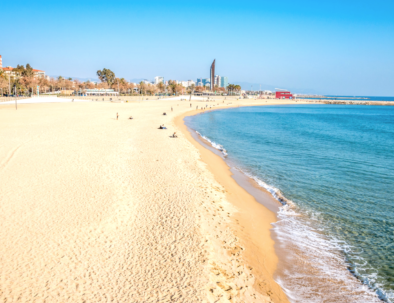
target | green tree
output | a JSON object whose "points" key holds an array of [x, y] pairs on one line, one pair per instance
{"points": [[106, 75], [28, 71], [19, 70]]}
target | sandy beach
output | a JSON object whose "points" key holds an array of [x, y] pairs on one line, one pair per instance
{"points": [[95, 209]]}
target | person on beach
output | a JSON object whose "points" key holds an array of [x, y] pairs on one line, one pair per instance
{"points": [[174, 135], [130, 117], [117, 116], [171, 108]]}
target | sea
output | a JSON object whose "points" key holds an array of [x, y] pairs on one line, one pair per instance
{"points": [[331, 167], [351, 98]]}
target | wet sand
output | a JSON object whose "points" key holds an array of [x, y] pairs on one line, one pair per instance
{"points": [[95, 209]]}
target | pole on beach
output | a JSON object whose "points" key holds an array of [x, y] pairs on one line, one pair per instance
{"points": [[16, 103]]}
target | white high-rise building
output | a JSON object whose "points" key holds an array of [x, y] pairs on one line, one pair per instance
{"points": [[218, 80], [190, 83], [159, 79], [187, 83]]}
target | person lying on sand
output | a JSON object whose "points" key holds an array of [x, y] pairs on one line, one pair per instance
{"points": [[130, 117], [164, 114], [162, 127]]}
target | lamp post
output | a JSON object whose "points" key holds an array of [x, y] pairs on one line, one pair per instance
{"points": [[16, 103]]}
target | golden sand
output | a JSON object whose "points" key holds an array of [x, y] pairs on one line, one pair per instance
{"points": [[94, 209]]}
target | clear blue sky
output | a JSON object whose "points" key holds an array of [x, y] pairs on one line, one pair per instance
{"points": [[331, 47]]}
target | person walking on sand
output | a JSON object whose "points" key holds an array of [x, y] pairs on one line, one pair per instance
{"points": [[171, 108], [117, 116]]}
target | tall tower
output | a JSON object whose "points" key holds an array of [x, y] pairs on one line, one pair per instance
{"points": [[213, 75], [1, 62]]}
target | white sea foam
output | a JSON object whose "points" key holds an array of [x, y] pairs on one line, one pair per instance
{"points": [[315, 268], [214, 144]]}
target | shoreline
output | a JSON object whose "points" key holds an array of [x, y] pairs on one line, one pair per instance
{"points": [[256, 211], [247, 184], [170, 216]]}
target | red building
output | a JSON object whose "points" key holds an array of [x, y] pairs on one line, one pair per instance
{"points": [[284, 95]]}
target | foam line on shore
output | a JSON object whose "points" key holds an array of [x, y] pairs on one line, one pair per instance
{"points": [[251, 223], [294, 234]]}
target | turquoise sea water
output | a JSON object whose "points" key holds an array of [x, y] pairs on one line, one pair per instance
{"points": [[332, 168], [354, 98]]}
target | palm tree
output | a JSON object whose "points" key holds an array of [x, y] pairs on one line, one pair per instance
{"points": [[191, 89], [142, 87]]}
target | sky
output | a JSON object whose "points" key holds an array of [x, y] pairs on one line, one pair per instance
{"points": [[325, 47]]}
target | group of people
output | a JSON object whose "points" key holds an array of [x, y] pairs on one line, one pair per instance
{"points": [[160, 127], [174, 135], [117, 117]]}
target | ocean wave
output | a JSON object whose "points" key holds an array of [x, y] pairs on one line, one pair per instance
{"points": [[322, 252], [317, 269], [214, 144]]}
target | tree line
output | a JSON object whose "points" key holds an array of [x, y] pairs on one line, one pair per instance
{"points": [[26, 82]]}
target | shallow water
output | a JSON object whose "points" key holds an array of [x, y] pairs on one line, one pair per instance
{"points": [[332, 167]]}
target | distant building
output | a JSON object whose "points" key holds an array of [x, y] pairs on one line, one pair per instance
{"points": [[283, 95], [187, 83], [190, 83], [159, 80], [9, 71], [100, 92], [224, 82], [217, 80], [212, 75], [206, 82]]}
